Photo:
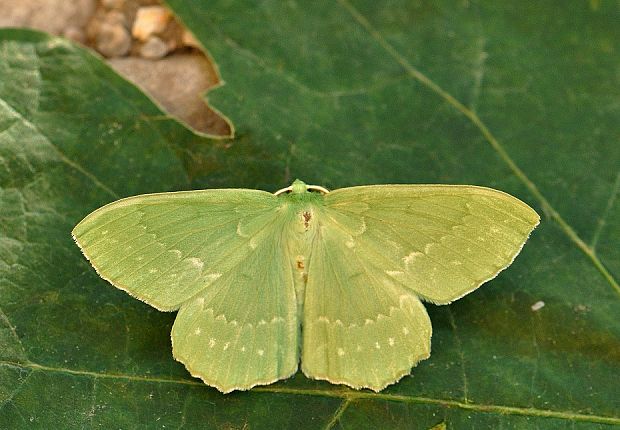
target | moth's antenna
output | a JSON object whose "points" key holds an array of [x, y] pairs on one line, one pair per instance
{"points": [[283, 190], [318, 188]]}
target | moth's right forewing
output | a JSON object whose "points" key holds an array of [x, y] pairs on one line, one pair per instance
{"points": [[165, 248]]}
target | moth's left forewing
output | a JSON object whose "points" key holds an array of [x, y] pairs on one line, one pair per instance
{"points": [[441, 241]]}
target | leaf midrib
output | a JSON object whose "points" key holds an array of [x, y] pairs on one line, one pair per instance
{"points": [[345, 395]]}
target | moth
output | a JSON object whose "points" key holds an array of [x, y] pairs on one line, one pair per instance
{"points": [[332, 279]]}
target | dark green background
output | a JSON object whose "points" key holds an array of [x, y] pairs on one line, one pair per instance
{"points": [[519, 96]]}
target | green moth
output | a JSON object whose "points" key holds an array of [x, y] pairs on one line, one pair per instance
{"points": [[334, 279]]}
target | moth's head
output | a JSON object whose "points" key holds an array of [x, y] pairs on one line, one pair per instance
{"points": [[298, 187]]}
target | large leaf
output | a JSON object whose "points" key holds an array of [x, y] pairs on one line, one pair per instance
{"points": [[503, 94]]}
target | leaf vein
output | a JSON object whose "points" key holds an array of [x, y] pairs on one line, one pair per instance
{"points": [[60, 154], [342, 394], [338, 413], [606, 212], [4, 318]]}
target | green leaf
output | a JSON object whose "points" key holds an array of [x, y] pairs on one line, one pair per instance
{"points": [[516, 96]]}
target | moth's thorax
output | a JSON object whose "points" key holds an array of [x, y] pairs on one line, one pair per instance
{"points": [[302, 208]]}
